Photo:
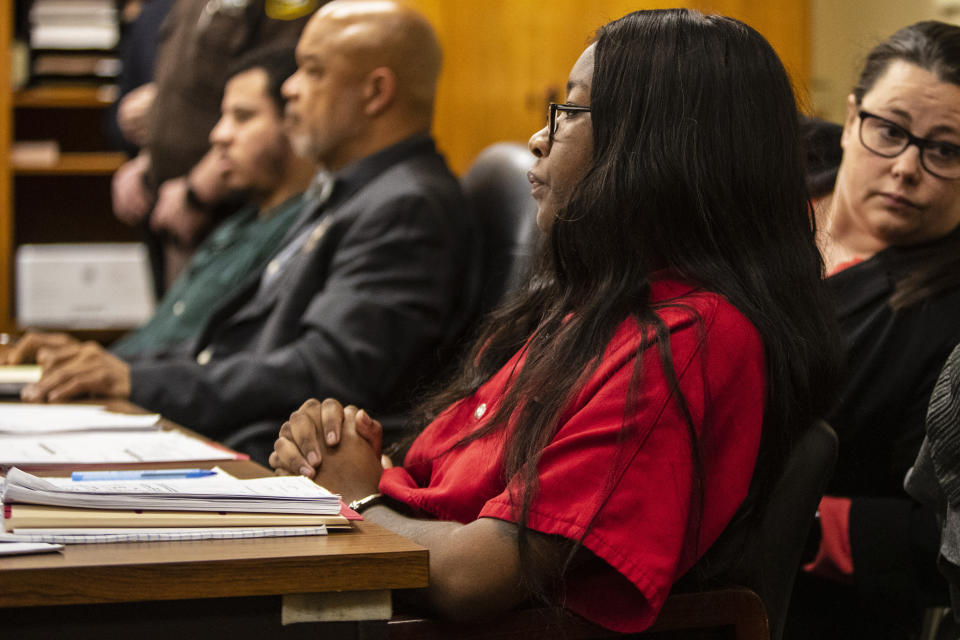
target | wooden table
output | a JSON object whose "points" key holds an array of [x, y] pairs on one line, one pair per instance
{"points": [[227, 587]]}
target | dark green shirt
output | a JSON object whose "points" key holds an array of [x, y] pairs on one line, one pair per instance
{"points": [[242, 244]]}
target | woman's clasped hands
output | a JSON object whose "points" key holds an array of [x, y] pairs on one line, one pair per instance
{"points": [[338, 447]]}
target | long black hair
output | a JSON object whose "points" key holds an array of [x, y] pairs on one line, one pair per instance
{"points": [[697, 167], [934, 47]]}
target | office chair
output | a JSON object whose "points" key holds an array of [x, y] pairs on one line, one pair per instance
{"points": [[755, 610], [497, 189], [786, 523]]}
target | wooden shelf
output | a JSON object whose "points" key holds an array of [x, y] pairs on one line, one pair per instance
{"points": [[79, 164], [66, 97]]}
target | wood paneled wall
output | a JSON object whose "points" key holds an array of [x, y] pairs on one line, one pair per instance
{"points": [[505, 59], [786, 24]]}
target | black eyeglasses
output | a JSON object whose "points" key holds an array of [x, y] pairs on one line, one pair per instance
{"points": [[565, 110], [888, 140]]}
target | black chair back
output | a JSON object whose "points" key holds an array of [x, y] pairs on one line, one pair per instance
{"points": [[786, 523], [497, 188]]}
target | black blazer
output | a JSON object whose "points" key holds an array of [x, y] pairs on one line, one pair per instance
{"points": [[378, 282]]}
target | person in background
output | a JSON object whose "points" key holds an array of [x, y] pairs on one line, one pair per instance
{"points": [[821, 139], [644, 390], [128, 117], [252, 153], [198, 40], [891, 241], [374, 282]]}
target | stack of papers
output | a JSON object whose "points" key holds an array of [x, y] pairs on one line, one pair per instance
{"points": [[73, 24], [137, 505], [121, 447], [61, 510], [72, 435], [25, 419], [221, 492]]}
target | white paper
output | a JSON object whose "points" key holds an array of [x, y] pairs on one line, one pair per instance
{"points": [[106, 448], [19, 418], [153, 535], [22, 548], [273, 494]]}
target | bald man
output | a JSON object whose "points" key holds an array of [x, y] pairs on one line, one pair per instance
{"points": [[375, 280]]}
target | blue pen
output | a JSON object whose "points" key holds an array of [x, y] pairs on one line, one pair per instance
{"points": [[152, 474]]}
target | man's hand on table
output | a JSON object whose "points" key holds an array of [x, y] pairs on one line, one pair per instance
{"points": [[75, 370], [25, 350]]}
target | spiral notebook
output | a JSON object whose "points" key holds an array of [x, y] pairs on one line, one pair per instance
{"points": [[97, 536]]}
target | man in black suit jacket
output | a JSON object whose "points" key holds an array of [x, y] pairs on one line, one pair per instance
{"points": [[376, 277]]}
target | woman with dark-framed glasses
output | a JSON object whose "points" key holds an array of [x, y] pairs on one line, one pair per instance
{"points": [[891, 241], [616, 415]]}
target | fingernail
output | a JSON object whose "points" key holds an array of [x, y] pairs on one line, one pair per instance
{"points": [[331, 438], [313, 459], [362, 415], [306, 471]]}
